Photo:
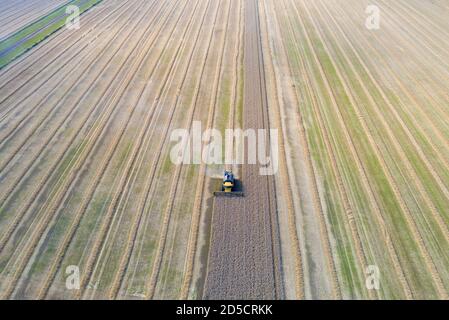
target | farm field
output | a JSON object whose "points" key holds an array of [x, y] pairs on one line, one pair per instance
{"points": [[364, 116], [87, 181]]}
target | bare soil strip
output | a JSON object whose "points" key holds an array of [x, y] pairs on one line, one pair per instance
{"points": [[244, 252]]}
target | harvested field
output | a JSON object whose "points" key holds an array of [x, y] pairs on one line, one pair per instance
{"points": [[365, 143], [87, 180], [85, 169]]}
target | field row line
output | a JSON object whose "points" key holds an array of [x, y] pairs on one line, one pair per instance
{"points": [[413, 39], [359, 116], [151, 187], [423, 30], [13, 6], [201, 181], [117, 284], [20, 21], [128, 178], [409, 48], [435, 105], [444, 72], [429, 21], [348, 208]]}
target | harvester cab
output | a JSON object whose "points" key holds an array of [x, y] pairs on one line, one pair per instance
{"points": [[229, 187], [228, 181]]}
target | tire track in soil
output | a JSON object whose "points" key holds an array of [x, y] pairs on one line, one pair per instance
{"points": [[243, 258], [94, 141]]}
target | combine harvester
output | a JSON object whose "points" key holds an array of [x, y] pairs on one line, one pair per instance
{"points": [[230, 186]]}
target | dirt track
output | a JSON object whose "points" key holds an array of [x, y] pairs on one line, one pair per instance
{"points": [[244, 253]]}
